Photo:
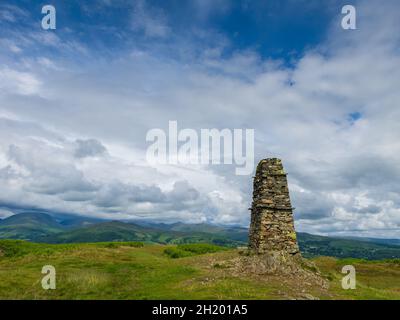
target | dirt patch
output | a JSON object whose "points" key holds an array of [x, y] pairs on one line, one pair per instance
{"points": [[296, 278]]}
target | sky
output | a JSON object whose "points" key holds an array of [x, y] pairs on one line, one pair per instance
{"points": [[77, 102]]}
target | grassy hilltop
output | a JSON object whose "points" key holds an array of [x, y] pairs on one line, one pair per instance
{"points": [[131, 270], [98, 259], [43, 228]]}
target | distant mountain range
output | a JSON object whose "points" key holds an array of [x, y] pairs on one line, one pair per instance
{"points": [[42, 227]]}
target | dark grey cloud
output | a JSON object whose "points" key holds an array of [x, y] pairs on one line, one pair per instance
{"points": [[312, 205], [182, 191], [89, 148], [119, 194], [372, 209]]}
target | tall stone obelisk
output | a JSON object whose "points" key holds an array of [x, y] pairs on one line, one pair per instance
{"points": [[272, 225]]}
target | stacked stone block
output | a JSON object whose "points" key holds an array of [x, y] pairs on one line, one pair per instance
{"points": [[272, 225]]}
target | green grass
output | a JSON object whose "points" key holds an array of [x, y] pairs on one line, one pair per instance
{"points": [[187, 250], [133, 270], [376, 280], [134, 244], [18, 248]]}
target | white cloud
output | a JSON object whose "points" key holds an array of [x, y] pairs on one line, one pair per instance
{"points": [[42, 169], [13, 81], [342, 169], [151, 21]]}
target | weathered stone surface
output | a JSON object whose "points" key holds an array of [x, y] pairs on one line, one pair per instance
{"points": [[273, 250], [272, 226]]}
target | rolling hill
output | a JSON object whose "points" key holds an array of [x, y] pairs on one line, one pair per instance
{"points": [[121, 231], [29, 226], [43, 228], [312, 245]]}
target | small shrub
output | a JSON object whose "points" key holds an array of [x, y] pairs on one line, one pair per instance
{"points": [[135, 244], [201, 248], [187, 250], [330, 277], [177, 253], [113, 245], [219, 266], [393, 261], [15, 248], [18, 248]]}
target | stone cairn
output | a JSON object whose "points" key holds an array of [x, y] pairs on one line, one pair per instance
{"points": [[272, 226], [273, 249]]}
